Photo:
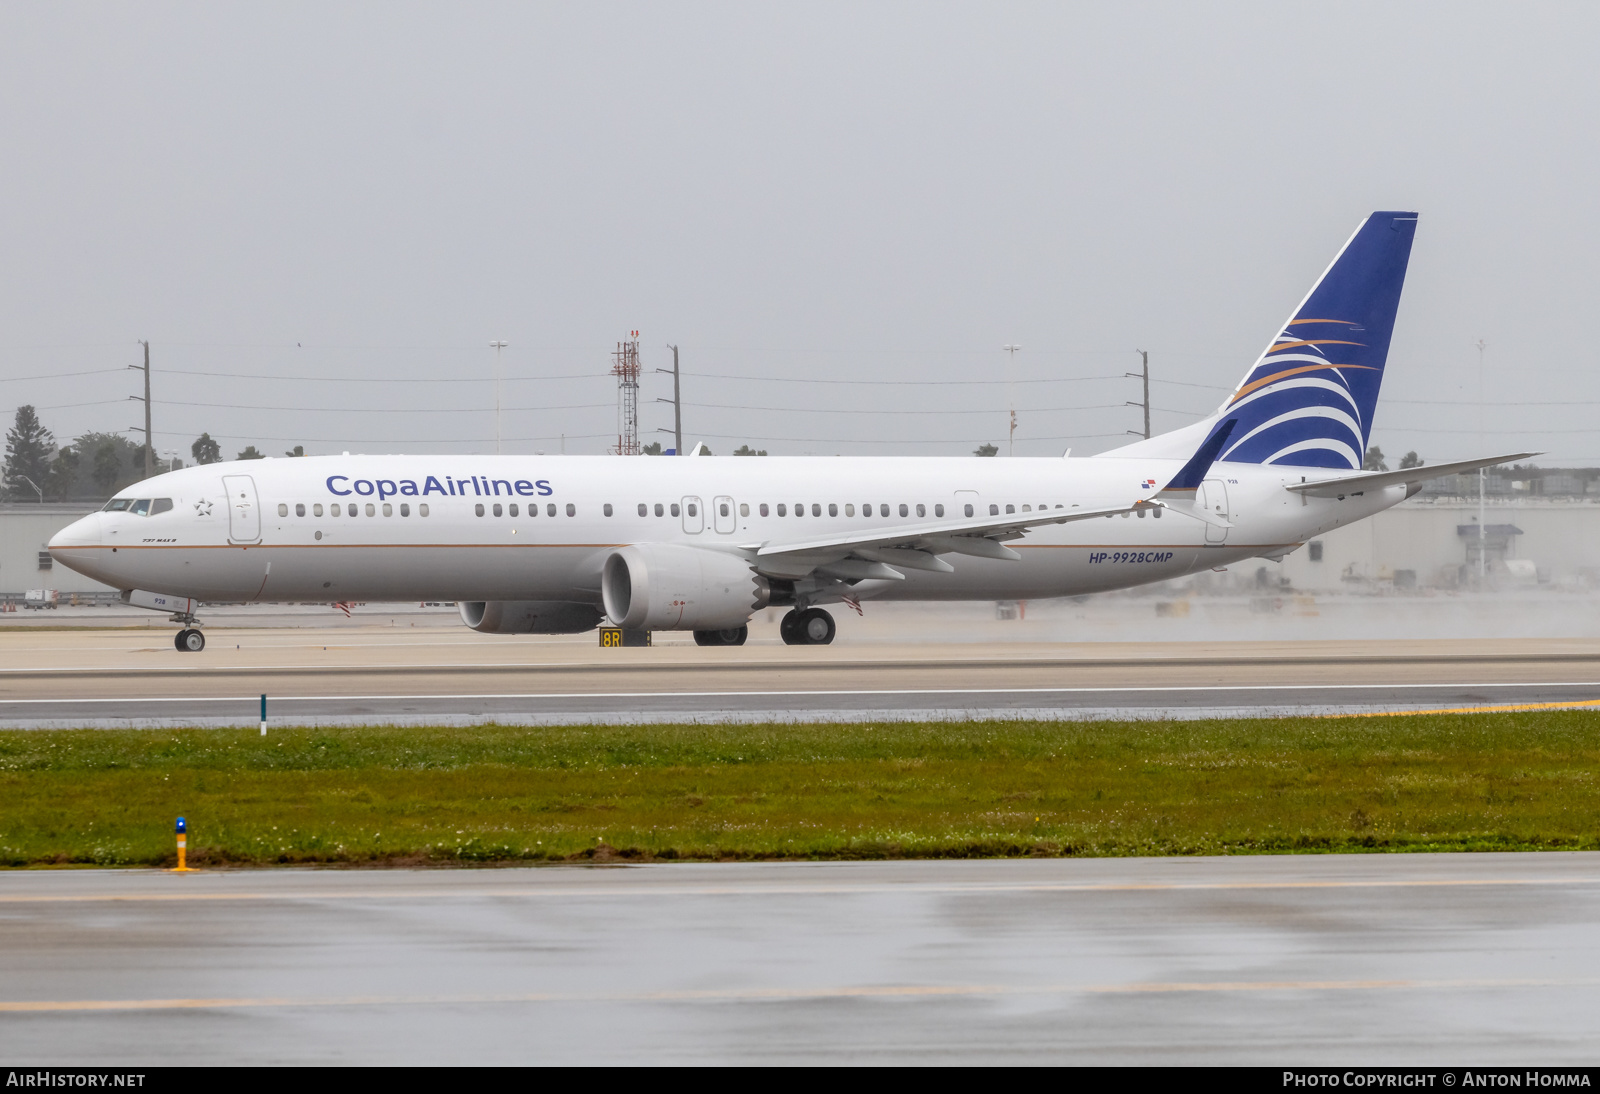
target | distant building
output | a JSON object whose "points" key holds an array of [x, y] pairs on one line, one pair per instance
{"points": [[25, 531], [1540, 527]]}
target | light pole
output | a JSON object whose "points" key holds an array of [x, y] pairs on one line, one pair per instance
{"points": [[1011, 397], [497, 346]]}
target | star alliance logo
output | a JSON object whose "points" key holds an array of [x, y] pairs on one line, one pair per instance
{"points": [[203, 507]]}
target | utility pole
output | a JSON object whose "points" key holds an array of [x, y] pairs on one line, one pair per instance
{"points": [[149, 449], [677, 405], [1483, 472], [497, 346], [1011, 397], [1145, 355]]}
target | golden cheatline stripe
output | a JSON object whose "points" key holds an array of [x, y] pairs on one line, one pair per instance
{"points": [[714, 995], [1576, 704]]}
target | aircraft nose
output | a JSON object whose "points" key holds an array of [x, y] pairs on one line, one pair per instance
{"points": [[84, 532]]}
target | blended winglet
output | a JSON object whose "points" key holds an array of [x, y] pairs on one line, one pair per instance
{"points": [[1188, 480]]}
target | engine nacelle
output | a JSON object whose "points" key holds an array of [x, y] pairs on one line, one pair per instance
{"points": [[529, 616], [667, 587]]}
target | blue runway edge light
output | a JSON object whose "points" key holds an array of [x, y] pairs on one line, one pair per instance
{"points": [[182, 827]]}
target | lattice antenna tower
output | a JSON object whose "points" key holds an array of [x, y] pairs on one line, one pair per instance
{"points": [[625, 368]]}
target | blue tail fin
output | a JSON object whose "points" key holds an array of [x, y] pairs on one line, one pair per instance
{"points": [[1308, 401]]}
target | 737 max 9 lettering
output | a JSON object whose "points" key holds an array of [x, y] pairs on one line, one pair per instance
{"points": [[699, 544]]}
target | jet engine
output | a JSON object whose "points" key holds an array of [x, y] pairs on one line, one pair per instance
{"points": [[529, 616], [667, 587]]}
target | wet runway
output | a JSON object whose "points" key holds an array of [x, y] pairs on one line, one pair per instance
{"points": [[100, 679], [1380, 959]]}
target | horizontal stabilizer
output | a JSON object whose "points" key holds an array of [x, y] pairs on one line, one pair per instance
{"points": [[1377, 480]]}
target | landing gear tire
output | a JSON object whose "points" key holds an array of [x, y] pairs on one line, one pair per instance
{"points": [[189, 640], [812, 627], [734, 636]]}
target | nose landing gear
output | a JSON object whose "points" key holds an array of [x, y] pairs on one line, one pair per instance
{"points": [[189, 640], [811, 627]]}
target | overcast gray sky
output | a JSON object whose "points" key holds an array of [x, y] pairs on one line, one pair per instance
{"points": [[314, 198]]}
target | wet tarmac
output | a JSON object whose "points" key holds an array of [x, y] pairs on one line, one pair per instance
{"points": [[1343, 960]]}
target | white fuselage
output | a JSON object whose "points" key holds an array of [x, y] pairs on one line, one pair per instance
{"points": [[266, 530]]}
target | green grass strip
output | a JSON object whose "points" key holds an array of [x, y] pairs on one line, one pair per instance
{"points": [[1511, 781]]}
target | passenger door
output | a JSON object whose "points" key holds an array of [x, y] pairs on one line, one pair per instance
{"points": [[244, 515], [694, 517], [1213, 498], [723, 516]]}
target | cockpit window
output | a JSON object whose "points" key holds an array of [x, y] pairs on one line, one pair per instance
{"points": [[141, 508], [117, 505], [160, 505]]}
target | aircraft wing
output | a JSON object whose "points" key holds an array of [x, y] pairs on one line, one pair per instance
{"points": [[917, 547], [867, 554], [1376, 480]]}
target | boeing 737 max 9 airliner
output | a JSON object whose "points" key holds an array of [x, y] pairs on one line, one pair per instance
{"points": [[555, 544]]}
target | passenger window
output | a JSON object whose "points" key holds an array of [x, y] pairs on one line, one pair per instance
{"points": [[497, 510], [922, 510], [1141, 514], [833, 510], [512, 508], [744, 509], [161, 505], [763, 508], [141, 508], [316, 510], [572, 510], [1011, 508], [969, 508], [644, 510], [388, 509], [405, 509], [994, 510], [783, 510], [606, 509], [478, 508], [1156, 514], [1025, 509], [694, 510], [904, 512], [722, 509], [658, 510], [673, 507], [866, 510], [299, 509], [883, 509], [371, 511], [550, 510], [938, 510], [283, 509], [422, 510], [849, 508]]}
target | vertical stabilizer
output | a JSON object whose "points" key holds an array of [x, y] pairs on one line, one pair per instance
{"points": [[1309, 399]]}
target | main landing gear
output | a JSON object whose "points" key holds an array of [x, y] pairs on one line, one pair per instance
{"points": [[734, 636], [190, 640], [811, 627]]}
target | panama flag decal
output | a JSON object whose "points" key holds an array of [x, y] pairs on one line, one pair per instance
{"points": [[1148, 484]]}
